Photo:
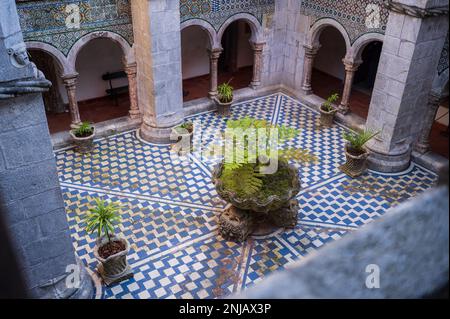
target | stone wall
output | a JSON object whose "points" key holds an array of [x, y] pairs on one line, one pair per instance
{"points": [[408, 248]]}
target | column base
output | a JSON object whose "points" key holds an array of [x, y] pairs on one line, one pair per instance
{"points": [[343, 109], [389, 163], [135, 114], [255, 84], [157, 135], [212, 95], [75, 125], [422, 148], [307, 90], [57, 288]]}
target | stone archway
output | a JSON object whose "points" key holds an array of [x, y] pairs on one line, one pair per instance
{"points": [[199, 52], [241, 33]]}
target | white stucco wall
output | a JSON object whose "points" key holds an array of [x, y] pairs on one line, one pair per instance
{"points": [[95, 59], [332, 51], [194, 54]]}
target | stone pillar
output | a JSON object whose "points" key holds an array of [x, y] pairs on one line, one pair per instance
{"points": [[257, 64], [412, 46], [70, 82], [30, 194], [157, 43], [214, 55], [350, 68], [423, 143], [310, 54], [131, 71]]}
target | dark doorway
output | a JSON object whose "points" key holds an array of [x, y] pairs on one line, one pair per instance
{"points": [[236, 59], [367, 71]]}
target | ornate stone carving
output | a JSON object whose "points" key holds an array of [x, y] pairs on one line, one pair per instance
{"points": [[18, 55], [214, 55], [350, 69], [415, 11], [287, 215], [235, 224]]}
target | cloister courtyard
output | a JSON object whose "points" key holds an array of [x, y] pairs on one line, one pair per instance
{"points": [[170, 209], [216, 149]]}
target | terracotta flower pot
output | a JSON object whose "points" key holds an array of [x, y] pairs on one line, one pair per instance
{"points": [[223, 108], [326, 117], [356, 164], [114, 268], [84, 144]]}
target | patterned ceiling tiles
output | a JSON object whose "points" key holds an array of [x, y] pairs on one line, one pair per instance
{"points": [[216, 12], [45, 21], [357, 17]]}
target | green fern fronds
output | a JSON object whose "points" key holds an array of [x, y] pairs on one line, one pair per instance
{"points": [[243, 180]]}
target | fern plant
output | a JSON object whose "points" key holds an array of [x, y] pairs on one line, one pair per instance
{"points": [[327, 106], [225, 92], [84, 130], [356, 141], [101, 218], [243, 175]]}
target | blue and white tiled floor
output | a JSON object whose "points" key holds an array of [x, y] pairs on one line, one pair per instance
{"points": [[169, 209]]}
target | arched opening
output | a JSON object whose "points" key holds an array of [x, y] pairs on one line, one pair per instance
{"points": [[195, 62], [328, 73], [56, 110], [236, 60], [365, 79], [102, 84]]}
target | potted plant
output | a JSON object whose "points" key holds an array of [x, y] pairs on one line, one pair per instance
{"points": [[83, 137], [256, 192], [184, 132], [224, 98], [355, 152], [327, 110], [110, 250]]}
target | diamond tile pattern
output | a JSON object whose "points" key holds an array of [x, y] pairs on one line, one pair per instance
{"points": [[169, 208]]}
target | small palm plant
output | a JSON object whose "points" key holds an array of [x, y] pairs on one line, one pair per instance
{"points": [[225, 92], [84, 130], [356, 141], [101, 219], [328, 104]]}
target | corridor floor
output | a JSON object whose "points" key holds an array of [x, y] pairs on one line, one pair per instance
{"points": [[170, 209]]}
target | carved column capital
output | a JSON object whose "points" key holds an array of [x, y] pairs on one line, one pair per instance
{"points": [[131, 69], [351, 66], [257, 46], [70, 80], [311, 51], [214, 53]]}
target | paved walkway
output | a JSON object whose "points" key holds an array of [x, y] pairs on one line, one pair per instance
{"points": [[169, 210]]}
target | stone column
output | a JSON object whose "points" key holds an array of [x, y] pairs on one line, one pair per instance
{"points": [[350, 68], [214, 55], [131, 71], [70, 82], [310, 54], [157, 42], [30, 194], [423, 143], [257, 64], [412, 46]]}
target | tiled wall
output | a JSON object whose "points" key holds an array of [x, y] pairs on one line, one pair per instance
{"points": [[357, 16], [216, 12], [45, 21]]}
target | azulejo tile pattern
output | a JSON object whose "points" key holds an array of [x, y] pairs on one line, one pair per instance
{"points": [[45, 21], [170, 210], [357, 17], [216, 12]]}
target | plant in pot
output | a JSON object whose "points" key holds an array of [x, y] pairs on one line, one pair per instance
{"points": [[258, 191], [183, 133], [327, 110], [110, 250], [224, 98], [83, 136], [355, 152]]}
